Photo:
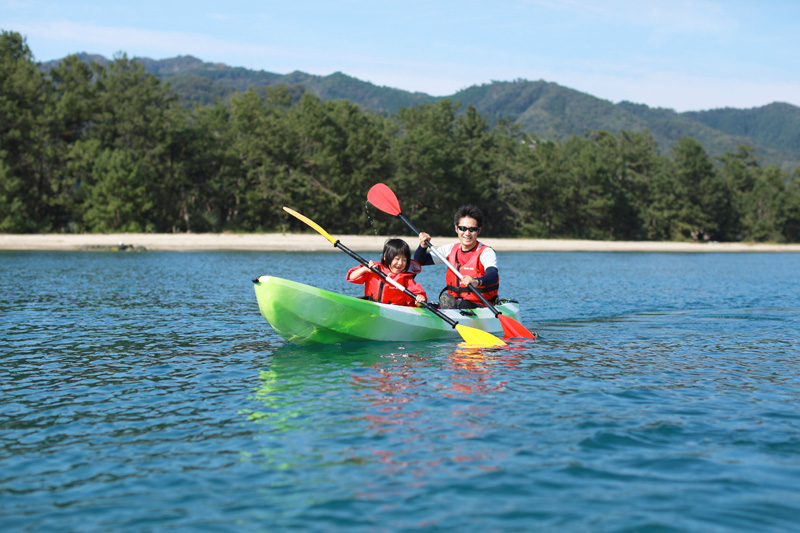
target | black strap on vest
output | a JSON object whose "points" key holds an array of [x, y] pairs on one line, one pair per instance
{"points": [[458, 290], [380, 294], [380, 291]]}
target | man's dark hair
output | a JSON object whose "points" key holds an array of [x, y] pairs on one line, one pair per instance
{"points": [[393, 247], [471, 211]]}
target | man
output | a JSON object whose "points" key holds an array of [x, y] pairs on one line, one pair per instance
{"points": [[475, 261]]}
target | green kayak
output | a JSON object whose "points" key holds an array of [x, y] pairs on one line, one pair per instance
{"points": [[307, 315]]}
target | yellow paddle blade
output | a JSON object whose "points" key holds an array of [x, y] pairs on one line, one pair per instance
{"points": [[310, 223], [478, 337]]}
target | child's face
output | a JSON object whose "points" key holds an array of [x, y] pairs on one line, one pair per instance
{"points": [[398, 264]]}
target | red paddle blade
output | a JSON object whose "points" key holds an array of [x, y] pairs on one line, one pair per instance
{"points": [[513, 329], [382, 197]]}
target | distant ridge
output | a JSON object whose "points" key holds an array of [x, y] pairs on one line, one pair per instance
{"points": [[201, 82], [546, 109], [553, 111], [776, 124]]}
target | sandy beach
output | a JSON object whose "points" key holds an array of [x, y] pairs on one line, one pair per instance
{"points": [[287, 242]]}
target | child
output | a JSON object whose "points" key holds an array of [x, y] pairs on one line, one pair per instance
{"points": [[396, 262]]}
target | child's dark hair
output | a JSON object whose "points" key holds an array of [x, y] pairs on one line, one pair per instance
{"points": [[471, 211], [393, 247]]}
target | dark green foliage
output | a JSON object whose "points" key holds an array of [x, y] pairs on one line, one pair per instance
{"points": [[764, 214], [107, 146], [700, 194], [24, 191], [428, 159], [119, 197], [791, 228]]}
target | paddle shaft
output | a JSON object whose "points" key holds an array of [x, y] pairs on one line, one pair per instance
{"points": [[438, 254], [394, 282]]}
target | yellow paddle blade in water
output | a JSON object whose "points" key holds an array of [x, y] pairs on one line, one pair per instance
{"points": [[478, 337], [310, 223]]}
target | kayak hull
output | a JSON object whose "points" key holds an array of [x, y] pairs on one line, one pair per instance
{"points": [[303, 315]]}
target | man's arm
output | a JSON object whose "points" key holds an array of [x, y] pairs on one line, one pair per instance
{"points": [[489, 261], [492, 277], [422, 256]]}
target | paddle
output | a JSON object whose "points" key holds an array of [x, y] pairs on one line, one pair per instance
{"points": [[382, 197], [472, 336]]}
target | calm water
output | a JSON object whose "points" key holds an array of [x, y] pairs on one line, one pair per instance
{"points": [[144, 392]]}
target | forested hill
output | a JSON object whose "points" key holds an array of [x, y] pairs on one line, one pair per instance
{"points": [[203, 83], [555, 112], [545, 109], [776, 125]]}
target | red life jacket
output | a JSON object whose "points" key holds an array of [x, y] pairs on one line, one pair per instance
{"points": [[473, 268], [378, 289]]}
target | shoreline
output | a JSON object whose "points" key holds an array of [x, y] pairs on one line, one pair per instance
{"points": [[306, 242]]}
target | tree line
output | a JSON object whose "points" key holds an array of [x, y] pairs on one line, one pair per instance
{"points": [[109, 148]]}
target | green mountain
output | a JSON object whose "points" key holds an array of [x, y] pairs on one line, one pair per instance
{"points": [[555, 112], [776, 125], [202, 83], [545, 109]]}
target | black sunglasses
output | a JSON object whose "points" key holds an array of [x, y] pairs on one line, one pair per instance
{"points": [[473, 229]]}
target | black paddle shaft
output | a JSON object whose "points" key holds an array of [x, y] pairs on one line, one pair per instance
{"points": [[364, 262], [469, 285]]}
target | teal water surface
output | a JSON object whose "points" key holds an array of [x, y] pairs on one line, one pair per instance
{"points": [[144, 392]]}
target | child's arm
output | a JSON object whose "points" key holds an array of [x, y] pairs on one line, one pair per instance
{"points": [[417, 289], [357, 272]]}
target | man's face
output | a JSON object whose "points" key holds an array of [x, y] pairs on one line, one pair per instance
{"points": [[467, 230]]}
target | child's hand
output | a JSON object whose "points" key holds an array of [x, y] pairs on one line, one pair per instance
{"points": [[420, 300], [373, 264]]}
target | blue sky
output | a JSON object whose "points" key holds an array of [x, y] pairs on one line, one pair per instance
{"points": [[681, 54]]}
